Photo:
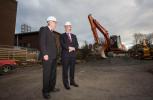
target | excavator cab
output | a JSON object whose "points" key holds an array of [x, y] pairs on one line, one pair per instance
{"points": [[115, 42]]}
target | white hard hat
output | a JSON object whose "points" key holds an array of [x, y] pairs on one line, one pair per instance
{"points": [[51, 18], [67, 23]]}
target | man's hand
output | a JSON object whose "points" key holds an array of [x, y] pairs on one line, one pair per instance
{"points": [[71, 49], [46, 57]]}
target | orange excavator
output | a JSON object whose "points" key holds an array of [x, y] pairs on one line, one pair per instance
{"points": [[110, 44]]}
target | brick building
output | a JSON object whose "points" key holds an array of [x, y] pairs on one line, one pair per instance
{"points": [[8, 9]]}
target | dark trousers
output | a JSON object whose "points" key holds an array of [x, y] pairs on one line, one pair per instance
{"points": [[49, 75], [68, 70]]}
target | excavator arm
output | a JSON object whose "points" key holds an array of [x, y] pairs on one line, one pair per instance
{"points": [[95, 24], [93, 28], [103, 31]]}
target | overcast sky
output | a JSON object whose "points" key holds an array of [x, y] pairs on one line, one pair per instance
{"points": [[119, 17]]}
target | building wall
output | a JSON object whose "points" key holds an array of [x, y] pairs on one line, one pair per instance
{"points": [[31, 39], [8, 9], [27, 40]]}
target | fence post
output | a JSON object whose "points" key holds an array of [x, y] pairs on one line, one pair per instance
{"points": [[26, 54], [8, 55]]}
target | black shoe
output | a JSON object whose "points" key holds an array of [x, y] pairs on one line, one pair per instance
{"points": [[67, 87], [74, 84], [46, 95], [55, 90]]}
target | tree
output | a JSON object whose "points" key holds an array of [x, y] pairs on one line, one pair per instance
{"points": [[149, 38], [139, 37], [85, 51]]}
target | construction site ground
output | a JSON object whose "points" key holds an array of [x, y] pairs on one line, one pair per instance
{"points": [[117, 78]]}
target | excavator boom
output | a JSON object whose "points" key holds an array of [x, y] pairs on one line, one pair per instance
{"points": [[93, 28], [95, 24]]}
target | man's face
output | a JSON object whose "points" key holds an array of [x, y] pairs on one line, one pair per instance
{"points": [[68, 28], [52, 24]]}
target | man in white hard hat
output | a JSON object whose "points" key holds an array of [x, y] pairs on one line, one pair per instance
{"points": [[48, 53], [69, 46]]}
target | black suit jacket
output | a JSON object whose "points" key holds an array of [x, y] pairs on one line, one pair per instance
{"points": [[65, 43], [47, 43]]}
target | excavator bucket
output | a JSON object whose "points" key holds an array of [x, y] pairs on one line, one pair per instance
{"points": [[102, 52]]}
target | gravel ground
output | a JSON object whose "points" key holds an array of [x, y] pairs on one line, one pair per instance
{"points": [[119, 78]]}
